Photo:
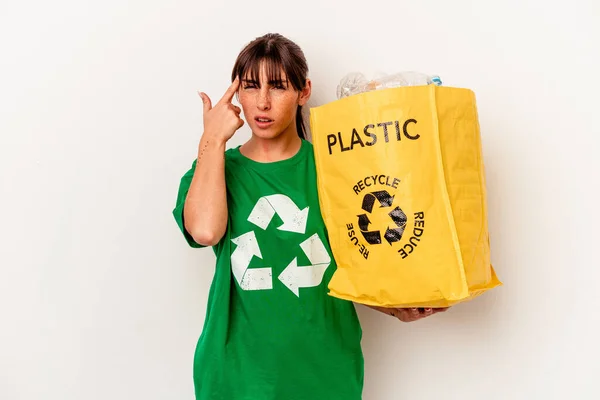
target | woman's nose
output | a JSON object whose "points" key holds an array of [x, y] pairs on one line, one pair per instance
{"points": [[264, 99]]}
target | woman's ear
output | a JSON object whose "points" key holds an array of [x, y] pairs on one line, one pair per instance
{"points": [[305, 93]]}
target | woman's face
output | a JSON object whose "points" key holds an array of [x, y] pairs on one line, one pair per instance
{"points": [[270, 107]]}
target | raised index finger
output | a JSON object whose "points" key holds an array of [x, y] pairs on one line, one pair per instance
{"points": [[230, 91]]}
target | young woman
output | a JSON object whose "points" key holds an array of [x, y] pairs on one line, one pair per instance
{"points": [[271, 330]]}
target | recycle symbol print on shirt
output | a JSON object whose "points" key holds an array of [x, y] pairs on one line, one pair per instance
{"points": [[293, 276]]}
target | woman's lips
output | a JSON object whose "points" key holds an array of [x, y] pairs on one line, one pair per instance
{"points": [[263, 122]]}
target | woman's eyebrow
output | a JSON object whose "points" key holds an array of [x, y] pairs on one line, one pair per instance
{"points": [[271, 82]]}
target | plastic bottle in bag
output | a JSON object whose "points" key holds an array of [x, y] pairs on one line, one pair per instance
{"points": [[355, 82]]}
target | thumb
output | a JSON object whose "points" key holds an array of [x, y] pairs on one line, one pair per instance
{"points": [[207, 104]]}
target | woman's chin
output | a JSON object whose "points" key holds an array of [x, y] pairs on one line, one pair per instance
{"points": [[270, 133]]}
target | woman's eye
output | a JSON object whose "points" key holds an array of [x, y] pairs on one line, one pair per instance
{"points": [[249, 86]]}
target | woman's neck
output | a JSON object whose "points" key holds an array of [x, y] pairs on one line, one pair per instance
{"points": [[280, 148]]}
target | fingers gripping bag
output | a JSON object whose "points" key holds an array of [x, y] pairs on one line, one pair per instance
{"points": [[402, 192]]}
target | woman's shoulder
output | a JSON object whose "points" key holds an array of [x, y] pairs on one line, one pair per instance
{"points": [[232, 155]]}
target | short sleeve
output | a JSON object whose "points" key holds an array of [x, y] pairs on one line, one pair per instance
{"points": [[184, 186]]}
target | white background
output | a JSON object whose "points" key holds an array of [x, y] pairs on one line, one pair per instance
{"points": [[100, 297]]}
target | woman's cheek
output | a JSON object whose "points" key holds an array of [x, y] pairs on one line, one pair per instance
{"points": [[243, 99], [286, 100]]}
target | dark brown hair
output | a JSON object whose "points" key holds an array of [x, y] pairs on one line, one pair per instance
{"points": [[279, 53]]}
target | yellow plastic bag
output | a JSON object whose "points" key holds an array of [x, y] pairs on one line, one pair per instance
{"points": [[402, 193]]}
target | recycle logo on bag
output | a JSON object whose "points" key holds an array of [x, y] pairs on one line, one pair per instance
{"points": [[397, 218], [293, 276], [380, 219]]}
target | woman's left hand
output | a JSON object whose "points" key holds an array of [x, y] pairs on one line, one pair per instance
{"points": [[409, 314]]}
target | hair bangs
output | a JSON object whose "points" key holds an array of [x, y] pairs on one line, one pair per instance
{"points": [[271, 60]]}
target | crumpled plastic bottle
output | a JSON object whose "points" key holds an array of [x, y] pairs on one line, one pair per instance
{"points": [[356, 82]]}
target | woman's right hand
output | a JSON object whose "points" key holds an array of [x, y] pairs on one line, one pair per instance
{"points": [[223, 120]]}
